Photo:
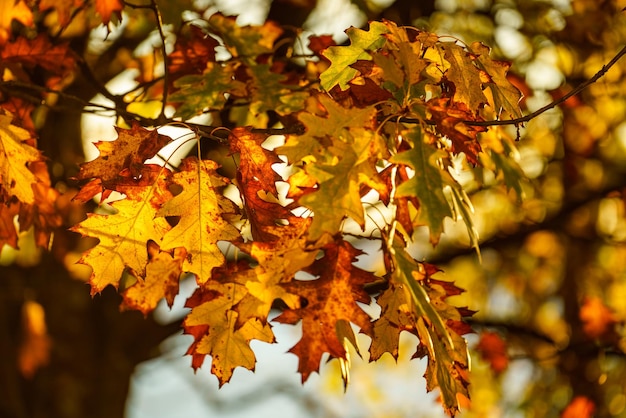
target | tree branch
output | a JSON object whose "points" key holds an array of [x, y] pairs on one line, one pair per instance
{"points": [[555, 103]]}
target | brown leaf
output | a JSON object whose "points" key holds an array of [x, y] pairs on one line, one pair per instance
{"points": [[327, 300], [27, 54], [448, 117], [192, 51], [120, 160]]}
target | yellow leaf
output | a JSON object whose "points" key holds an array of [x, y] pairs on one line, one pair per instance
{"points": [[15, 154], [200, 207], [124, 235]]}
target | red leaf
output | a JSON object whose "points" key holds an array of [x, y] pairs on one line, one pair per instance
{"points": [[492, 348]]}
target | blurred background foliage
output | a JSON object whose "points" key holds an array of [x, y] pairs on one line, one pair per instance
{"points": [[550, 292]]}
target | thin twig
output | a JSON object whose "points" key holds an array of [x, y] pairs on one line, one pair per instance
{"points": [[159, 23]]}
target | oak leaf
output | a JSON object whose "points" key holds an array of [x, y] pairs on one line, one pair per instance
{"points": [[205, 92], [212, 324], [13, 10], [120, 160], [449, 118], [277, 262], [246, 42], [342, 57], [438, 325], [201, 208], [15, 157], [464, 75], [161, 282], [107, 8], [427, 184], [505, 95], [123, 236], [193, 50], [329, 299], [28, 54], [340, 183]]}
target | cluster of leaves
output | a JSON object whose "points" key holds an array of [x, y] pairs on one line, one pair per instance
{"points": [[386, 119]]}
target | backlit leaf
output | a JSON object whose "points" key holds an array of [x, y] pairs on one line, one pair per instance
{"points": [[342, 57], [200, 207], [330, 298], [15, 156], [123, 236]]}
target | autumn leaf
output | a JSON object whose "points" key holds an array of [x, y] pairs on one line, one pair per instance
{"points": [[201, 208], [329, 299], [449, 118], [15, 156], [193, 50], [63, 8], [257, 183], [396, 316], [200, 93], [352, 152], [505, 95], [123, 236], [13, 10], [465, 76], [57, 59], [212, 324], [163, 273], [427, 184], [437, 324], [107, 8], [246, 42], [125, 154], [331, 120], [342, 57], [492, 348], [340, 184], [277, 262]]}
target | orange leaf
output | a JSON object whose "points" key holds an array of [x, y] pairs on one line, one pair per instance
{"points": [[579, 407], [328, 300], [64, 8], [13, 9], [34, 351], [105, 8], [598, 321], [493, 349]]}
